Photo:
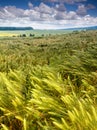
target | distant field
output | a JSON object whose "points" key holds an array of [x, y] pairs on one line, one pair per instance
{"points": [[35, 32], [7, 34], [10, 33]]}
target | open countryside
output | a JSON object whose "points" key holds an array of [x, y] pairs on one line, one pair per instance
{"points": [[33, 32], [48, 65]]}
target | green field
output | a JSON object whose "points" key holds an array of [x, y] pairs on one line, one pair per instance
{"points": [[50, 82], [35, 32]]}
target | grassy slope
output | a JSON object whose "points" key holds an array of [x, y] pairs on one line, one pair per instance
{"points": [[49, 83]]}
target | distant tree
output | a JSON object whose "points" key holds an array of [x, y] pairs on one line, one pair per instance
{"points": [[23, 35], [13, 36], [76, 32], [42, 35], [32, 35]]}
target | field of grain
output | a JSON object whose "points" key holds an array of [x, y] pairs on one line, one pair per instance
{"points": [[7, 34], [49, 83]]}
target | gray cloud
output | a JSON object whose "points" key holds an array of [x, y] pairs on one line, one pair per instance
{"points": [[82, 9], [66, 16], [59, 16], [43, 8], [72, 15], [60, 7], [9, 12]]}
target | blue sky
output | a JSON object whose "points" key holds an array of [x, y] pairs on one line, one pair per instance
{"points": [[48, 14]]}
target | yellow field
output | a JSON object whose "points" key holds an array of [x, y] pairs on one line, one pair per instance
{"points": [[4, 34]]}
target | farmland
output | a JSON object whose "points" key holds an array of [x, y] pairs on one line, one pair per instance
{"points": [[34, 32], [48, 82]]}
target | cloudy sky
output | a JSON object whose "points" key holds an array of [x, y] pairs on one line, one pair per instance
{"points": [[48, 14]]}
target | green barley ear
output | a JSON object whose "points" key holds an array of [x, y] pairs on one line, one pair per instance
{"points": [[61, 125]]}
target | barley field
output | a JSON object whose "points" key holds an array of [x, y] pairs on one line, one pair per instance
{"points": [[49, 82]]}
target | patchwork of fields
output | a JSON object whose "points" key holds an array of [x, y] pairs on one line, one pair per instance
{"points": [[33, 32], [49, 82]]}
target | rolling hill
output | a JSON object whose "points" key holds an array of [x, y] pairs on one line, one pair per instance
{"points": [[15, 28]]}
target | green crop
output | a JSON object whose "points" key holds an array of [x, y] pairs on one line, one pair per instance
{"points": [[49, 83]]}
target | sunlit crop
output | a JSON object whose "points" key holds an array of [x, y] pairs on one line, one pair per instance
{"points": [[49, 83]]}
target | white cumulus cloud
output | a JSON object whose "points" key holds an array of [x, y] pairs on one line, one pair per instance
{"points": [[46, 17]]}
